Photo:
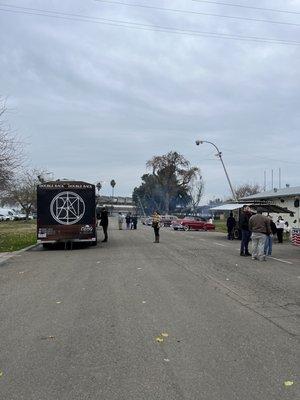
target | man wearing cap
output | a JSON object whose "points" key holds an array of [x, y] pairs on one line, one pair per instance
{"points": [[260, 227]]}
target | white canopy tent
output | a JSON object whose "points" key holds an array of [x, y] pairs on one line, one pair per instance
{"points": [[228, 207]]}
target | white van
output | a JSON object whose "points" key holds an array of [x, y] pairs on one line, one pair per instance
{"points": [[7, 214]]}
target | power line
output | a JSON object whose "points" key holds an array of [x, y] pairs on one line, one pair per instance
{"points": [[249, 7], [197, 13], [265, 158], [141, 26]]}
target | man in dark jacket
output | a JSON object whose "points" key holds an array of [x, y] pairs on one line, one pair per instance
{"points": [[231, 222], [134, 221], [104, 222], [269, 239], [244, 227], [128, 220]]}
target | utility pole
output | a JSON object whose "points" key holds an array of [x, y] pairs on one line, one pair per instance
{"points": [[272, 179], [141, 205], [279, 177], [219, 154]]}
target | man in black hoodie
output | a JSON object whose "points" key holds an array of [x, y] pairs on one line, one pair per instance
{"points": [[231, 222], [104, 223], [244, 227]]}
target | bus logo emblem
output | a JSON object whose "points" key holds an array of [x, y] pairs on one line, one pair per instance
{"points": [[67, 208]]}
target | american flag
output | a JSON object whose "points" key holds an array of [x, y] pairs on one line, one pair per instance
{"points": [[296, 236]]}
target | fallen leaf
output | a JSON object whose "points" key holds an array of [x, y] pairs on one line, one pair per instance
{"points": [[48, 337], [165, 334], [58, 302], [159, 339], [1, 374], [288, 383]]}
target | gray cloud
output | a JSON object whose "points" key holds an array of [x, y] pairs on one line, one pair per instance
{"points": [[97, 101]]}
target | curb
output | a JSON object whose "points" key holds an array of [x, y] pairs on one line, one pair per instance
{"points": [[15, 253]]}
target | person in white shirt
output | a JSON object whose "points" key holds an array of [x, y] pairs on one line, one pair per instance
{"points": [[120, 221]]}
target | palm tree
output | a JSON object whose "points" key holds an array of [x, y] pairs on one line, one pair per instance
{"points": [[98, 186], [113, 184]]}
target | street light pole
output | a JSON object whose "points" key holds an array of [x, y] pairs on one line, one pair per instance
{"points": [[219, 154]]}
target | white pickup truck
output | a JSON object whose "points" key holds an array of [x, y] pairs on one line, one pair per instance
{"points": [[8, 214]]}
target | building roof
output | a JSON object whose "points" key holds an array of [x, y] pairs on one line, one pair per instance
{"points": [[227, 207], [268, 208], [275, 193]]}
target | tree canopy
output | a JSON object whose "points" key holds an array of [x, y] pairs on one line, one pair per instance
{"points": [[247, 189], [22, 190], [167, 187], [10, 149]]}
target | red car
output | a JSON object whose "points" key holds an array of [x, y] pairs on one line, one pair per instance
{"points": [[188, 223]]}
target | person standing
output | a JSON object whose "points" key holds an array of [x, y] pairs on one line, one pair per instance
{"points": [[120, 221], [104, 223], [134, 221], [269, 239], [259, 225], [156, 225], [128, 220], [231, 222], [280, 228], [244, 227]]}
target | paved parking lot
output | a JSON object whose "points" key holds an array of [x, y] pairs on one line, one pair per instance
{"points": [[129, 319]]}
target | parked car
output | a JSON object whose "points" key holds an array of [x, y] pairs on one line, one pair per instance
{"points": [[166, 220], [146, 221], [190, 223], [19, 216]]}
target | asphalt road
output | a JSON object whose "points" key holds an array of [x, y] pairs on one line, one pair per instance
{"points": [[83, 324]]}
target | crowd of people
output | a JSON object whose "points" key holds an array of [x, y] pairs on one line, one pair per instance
{"points": [[258, 228], [252, 226], [130, 220]]}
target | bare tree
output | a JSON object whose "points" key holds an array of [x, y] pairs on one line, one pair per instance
{"points": [[22, 190], [247, 189], [195, 191], [11, 155]]}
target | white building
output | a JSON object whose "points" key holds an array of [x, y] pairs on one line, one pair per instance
{"points": [[288, 197]]}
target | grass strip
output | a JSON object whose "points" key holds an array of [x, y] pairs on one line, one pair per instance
{"points": [[16, 235], [16, 241]]}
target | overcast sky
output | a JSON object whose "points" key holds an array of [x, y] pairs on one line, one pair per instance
{"points": [[95, 101]]}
